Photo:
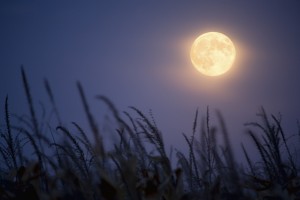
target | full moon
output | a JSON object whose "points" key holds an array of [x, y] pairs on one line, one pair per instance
{"points": [[212, 53]]}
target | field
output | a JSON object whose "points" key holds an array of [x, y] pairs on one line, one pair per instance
{"points": [[47, 160]]}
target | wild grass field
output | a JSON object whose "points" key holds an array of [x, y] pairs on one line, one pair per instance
{"points": [[49, 160]]}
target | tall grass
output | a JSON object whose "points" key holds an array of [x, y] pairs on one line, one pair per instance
{"points": [[70, 162]]}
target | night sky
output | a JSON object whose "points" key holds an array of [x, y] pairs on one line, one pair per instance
{"points": [[137, 54]]}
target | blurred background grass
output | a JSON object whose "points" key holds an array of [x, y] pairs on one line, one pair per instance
{"points": [[43, 157]]}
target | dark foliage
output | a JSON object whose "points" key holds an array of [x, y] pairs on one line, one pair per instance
{"points": [[71, 163]]}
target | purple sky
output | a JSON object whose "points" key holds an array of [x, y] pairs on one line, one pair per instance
{"points": [[137, 53]]}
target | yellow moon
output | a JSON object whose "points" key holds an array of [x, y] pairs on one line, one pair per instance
{"points": [[212, 53]]}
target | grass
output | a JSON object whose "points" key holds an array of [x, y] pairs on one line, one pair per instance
{"points": [[49, 160]]}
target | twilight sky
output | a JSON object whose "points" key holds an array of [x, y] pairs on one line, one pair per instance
{"points": [[137, 53]]}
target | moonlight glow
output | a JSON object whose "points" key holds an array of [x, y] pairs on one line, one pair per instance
{"points": [[212, 53]]}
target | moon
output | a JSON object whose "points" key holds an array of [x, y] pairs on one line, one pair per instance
{"points": [[213, 53]]}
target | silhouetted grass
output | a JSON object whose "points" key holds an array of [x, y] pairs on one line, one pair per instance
{"points": [[57, 162]]}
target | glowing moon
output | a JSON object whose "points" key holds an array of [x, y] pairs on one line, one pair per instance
{"points": [[212, 53]]}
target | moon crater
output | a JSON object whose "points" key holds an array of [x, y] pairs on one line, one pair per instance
{"points": [[213, 53]]}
